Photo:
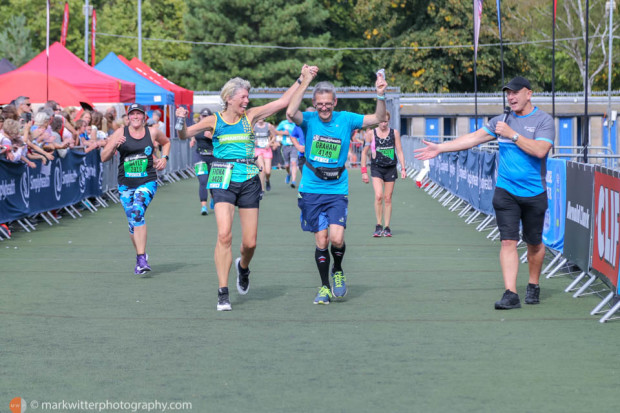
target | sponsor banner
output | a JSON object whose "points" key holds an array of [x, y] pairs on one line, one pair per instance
{"points": [[606, 234], [61, 182], [462, 190], [578, 220], [473, 174], [488, 177], [553, 230]]}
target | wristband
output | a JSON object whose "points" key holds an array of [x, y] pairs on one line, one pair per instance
{"points": [[166, 157], [364, 170], [381, 97]]}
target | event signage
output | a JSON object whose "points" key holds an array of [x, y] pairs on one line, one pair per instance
{"points": [[606, 234], [64, 181], [553, 229], [578, 219]]}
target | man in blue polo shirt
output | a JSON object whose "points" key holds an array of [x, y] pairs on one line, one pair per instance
{"points": [[525, 136], [324, 188]]}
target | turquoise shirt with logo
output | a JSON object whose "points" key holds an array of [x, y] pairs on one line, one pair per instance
{"points": [[235, 141]]}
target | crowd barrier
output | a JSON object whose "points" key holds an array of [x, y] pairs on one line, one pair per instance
{"points": [[582, 222], [66, 181]]}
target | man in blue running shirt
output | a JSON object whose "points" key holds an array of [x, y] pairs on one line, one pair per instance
{"points": [[525, 136], [323, 191]]}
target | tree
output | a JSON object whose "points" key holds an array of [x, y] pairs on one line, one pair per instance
{"points": [[571, 35], [15, 42]]}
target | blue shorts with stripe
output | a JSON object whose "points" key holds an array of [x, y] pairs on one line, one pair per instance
{"points": [[319, 211]]}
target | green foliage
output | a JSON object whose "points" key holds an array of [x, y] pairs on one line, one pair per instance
{"points": [[15, 43]]}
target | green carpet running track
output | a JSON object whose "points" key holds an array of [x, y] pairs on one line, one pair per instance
{"points": [[417, 331]]}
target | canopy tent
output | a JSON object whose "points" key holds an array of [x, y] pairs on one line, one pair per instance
{"points": [[6, 66], [147, 92], [98, 86], [36, 85], [182, 96]]}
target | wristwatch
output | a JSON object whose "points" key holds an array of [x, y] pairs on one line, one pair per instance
{"points": [[515, 138], [166, 157]]}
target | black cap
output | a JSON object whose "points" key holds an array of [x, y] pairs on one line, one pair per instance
{"points": [[206, 112], [517, 84], [136, 106]]}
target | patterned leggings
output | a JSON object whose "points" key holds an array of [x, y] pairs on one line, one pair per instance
{"points": [[135, 201]]}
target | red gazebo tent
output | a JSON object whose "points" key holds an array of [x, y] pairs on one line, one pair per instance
{"points": [[182, 96], [36, 85], [97, 86]]}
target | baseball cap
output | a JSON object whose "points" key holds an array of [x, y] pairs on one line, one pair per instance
{"points": [[517, 84], [136, 106], [206, 112]]}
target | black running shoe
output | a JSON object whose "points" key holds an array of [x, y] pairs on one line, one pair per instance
{"points": [[509, 301], [268, 185], [243, 278], [378, 231], [532, 294], [387, 232], [223, 302]]}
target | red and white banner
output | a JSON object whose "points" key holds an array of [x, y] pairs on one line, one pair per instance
{"points": [[477, 18], [94, 35], [606, 237], [65, 26]]}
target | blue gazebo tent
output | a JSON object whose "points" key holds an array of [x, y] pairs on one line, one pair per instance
{"points": [[6, 66], [147, 92]]}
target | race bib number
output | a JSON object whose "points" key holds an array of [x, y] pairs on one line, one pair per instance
{"points": [[325, 149], [262, 141], [387, 152], [219, 176], [135, 166], [201, 168]]}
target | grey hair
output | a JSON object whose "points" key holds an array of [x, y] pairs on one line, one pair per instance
{"points": [[324, 87], [41, 117], [231, 88], [20, 100]]}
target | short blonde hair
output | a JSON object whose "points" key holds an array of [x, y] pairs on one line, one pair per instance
{"points": [[231, 88]]}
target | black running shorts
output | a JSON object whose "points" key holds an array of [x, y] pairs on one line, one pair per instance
{"points": [[510, 210], [241, 194]]}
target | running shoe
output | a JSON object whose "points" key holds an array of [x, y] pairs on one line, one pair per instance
{"points": [[212, 205], [339, 289], [203, 210], [324, 296], [532, 294], [387, 232], [287, 180], [268, 185], [509, 301], [378, 231], [223, 302], [293, 184], [243, 278], [142, 264]]}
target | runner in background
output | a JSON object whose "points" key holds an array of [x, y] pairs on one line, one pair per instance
{"points": [[289, 152], [265, 136], [203, 158], [386, 153]]}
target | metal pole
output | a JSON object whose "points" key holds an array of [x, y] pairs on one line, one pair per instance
{"points": [[586, 134], [611, 4], [140, 29], [86, 16]]}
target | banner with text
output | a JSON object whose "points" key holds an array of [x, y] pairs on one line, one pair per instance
{"points": [[553, 229], [606, 234]]}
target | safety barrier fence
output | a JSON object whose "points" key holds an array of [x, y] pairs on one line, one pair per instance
{"points": [[582, 223], [70, 184]]}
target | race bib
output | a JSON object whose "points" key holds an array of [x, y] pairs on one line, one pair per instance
{"points": [[219, 176], [325, 149], [387, 152], [201, 168], [262, 141], [135, 166]]}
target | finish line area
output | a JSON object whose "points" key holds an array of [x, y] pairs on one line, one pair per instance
{"points": [[417, 330]]}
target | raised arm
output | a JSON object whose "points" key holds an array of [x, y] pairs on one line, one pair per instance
{"points": [[260, 112], [380, 112], [461, 143], [204, 124]]}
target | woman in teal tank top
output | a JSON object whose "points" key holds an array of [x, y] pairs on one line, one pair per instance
{"points": [[233, 179]]}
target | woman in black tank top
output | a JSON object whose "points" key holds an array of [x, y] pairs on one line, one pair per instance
{"points": [[386, 153], [137, 174]]}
